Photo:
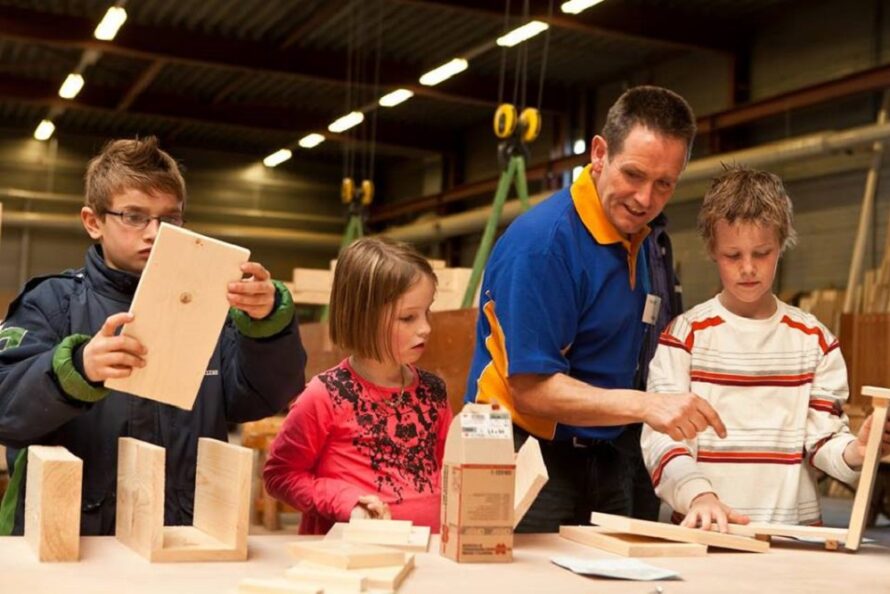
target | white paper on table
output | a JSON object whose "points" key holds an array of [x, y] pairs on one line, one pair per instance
{"points": [[623, 569]]}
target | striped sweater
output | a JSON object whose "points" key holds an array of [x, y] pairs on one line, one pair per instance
{"points": [[778, 384]]}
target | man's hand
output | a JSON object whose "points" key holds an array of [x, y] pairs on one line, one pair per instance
{"points": [[707, 509], [109, 356], [682, 416], [371, 506], [854, 453], [254, 295]]}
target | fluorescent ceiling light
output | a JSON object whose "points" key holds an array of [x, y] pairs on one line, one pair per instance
{"points": [[44, 130], [396, 97], [350, 120], [311, 140], [110, 23], [523, 33], [71, 87], [576, 6], [277, 158], [444, 72]]}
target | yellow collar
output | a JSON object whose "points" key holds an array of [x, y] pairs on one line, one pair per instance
{"points": [[587, 203]]}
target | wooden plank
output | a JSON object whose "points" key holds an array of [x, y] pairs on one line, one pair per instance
{"points": [[531, 476], [375, 579], [52, 503], [678, 533], [345, 555], [630, 545], [222, 493], [276, 586], [417, 540], [326, 578], [139, 522], [880, 400], [756, 529], [179, 308], [313, 279]]}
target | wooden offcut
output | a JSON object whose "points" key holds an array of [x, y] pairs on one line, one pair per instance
{"points": [[222, 503], [678, 533], [400, 534], [275, 586], [179, 308], [630, 545], [52, 503]]}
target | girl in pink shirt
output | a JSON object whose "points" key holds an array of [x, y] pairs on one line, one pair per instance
{"points": [[366, 438]]}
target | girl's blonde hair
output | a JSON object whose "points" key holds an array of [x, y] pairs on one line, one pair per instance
{"points": [[751, 196], [371, 274]]}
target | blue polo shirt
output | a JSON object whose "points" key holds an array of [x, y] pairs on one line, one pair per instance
{"points": [[563, 292]]}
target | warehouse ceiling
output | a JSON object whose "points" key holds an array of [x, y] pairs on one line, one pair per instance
{"points": [[252, 76]]}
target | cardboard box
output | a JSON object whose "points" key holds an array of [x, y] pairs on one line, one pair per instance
{"points": [[478, 481]]}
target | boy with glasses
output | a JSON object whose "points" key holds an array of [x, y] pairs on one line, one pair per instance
{"points": [[60, 343]]}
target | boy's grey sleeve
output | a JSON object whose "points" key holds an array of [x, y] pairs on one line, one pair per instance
{"points": [[40, 388], [263, 361]]}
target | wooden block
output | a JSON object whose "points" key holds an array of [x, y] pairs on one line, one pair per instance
{"points": [[859, 515], [531, 476], [678, 533], [345, 555], [180, 307], [388, 578], [52, 503], [276, 586], [630, 545], [222, 503]]}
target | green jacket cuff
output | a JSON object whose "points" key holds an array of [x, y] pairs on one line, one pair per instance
{"points": [[280, 318], [73, 383]]}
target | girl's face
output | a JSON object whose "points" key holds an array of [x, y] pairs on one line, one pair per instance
{"points": [[411, 321]]}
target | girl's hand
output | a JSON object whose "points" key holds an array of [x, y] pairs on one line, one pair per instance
{"points": [[371, 506]]}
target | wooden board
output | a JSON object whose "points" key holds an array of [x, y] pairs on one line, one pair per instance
{"points": [[179, 308], [630, 545], [761, 529], [531, 476], [678, 533], [345, 555], [327, 578], [416, 540], [276, 586], [386, 579], [52, 503], [880, 401], [139, 522], [222, 493]]}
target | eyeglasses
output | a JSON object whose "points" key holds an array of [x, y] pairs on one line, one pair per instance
{"points": [[140, 220]]}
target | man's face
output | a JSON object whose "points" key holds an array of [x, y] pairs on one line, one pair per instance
{"points": [[127, 247], [635, 184]]}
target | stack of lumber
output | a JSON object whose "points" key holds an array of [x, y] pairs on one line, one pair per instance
{"points": [[312, 286], [337, 566]]}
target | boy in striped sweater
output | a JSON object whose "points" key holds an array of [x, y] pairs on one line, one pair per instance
{"points": [[773, 373]]}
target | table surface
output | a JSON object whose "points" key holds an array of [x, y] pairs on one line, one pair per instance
{"points": [[108, 567]]}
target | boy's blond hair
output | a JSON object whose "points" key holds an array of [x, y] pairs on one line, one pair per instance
{"points": [[371, 274], [751, 196], [131, 163]]}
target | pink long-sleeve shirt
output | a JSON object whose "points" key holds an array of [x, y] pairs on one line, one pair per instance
{"points": [[345, 437]]}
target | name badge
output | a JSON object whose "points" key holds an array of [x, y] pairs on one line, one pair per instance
{"points": [[651, 309]]}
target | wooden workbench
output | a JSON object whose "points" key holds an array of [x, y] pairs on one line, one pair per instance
{"points": [[107, 567]]}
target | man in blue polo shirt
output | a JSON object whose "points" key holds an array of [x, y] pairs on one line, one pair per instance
{"points": [[565, 305]]}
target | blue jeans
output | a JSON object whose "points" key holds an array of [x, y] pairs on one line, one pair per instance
{"points": [[594, 477]]}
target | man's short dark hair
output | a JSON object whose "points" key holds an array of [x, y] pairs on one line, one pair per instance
{"points": [[655, 108]]}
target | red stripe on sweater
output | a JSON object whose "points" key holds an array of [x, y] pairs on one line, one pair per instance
{"points": [[811, 330], [670, 455], [701, 325], [749, 457]]}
